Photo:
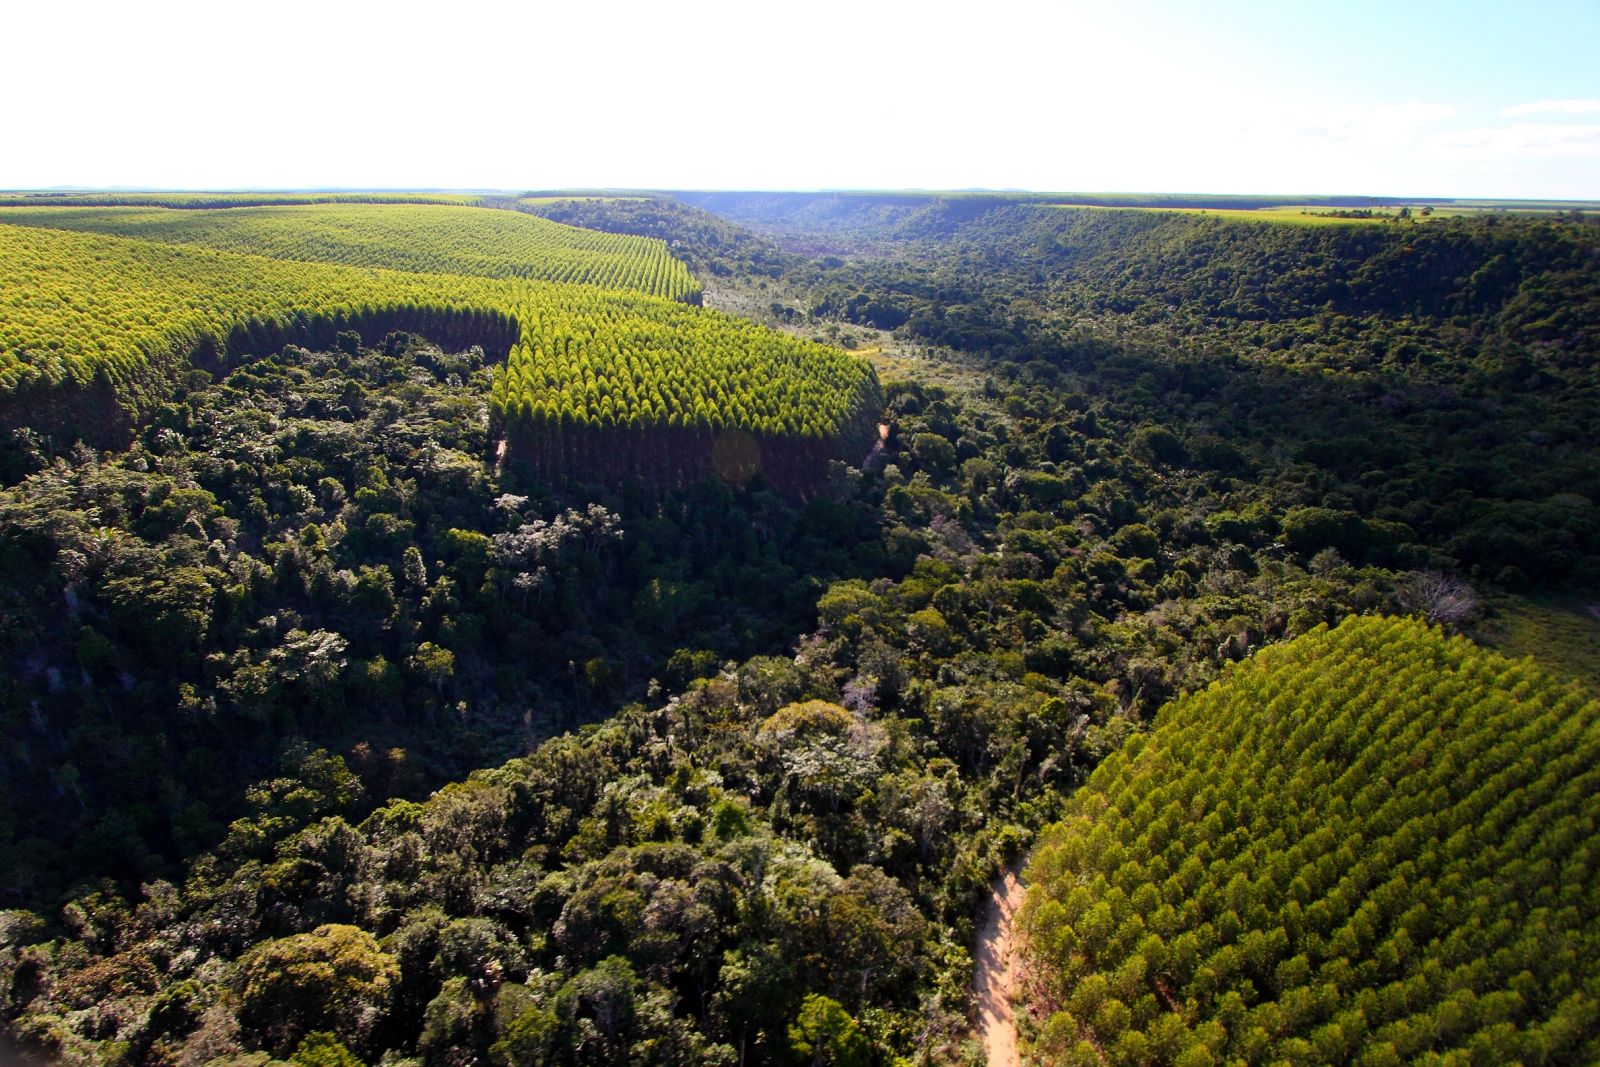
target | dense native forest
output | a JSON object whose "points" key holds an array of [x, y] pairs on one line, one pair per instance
{"points": [[375, 695]]}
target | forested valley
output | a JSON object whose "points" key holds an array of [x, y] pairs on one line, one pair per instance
{"points": [[339, 734]]}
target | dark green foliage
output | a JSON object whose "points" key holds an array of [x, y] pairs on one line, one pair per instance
{"points": [[813, 823], [323, 552], [573, 907], [710, 245], [1432, 384]]}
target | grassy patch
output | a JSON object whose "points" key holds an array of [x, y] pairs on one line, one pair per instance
{"points": [[1293, 215], [1320, 215], [1562, 633]]}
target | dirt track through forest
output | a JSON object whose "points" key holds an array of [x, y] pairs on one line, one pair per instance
{"points": [[995, 975]]}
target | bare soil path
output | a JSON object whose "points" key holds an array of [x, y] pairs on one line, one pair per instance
{"points": [[995, 976]]}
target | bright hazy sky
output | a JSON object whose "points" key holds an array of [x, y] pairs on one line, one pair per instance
{"points": [[1395, 97]]}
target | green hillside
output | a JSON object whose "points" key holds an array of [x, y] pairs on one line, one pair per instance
{"points": [[680, 368], [85, 315], [74, 307], [781, 747], [201, 200], [422, 238], [1373, 844]]}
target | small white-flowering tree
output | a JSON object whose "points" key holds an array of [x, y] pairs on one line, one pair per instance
{"points": [[1443, 599]]}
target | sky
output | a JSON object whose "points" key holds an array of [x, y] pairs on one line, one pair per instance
{"points": [[1396, 98]]}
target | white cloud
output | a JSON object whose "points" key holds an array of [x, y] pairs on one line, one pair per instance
{"points": [[1553, 107], [1377, 127], [1523, 137], [1080, 94]]}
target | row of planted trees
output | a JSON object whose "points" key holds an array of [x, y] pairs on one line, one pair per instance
{"points": [[608, 393], [598, 383], [1370, 845], [417, 238]]}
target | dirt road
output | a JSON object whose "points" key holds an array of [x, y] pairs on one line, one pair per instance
{"points": [[994, 977]]}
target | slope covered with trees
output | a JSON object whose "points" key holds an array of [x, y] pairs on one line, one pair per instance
{"points": [[420, 238], [1373, 844], [1284, 288], [78, 308], [1440, 375], [711, 246], [203, 200], [89, 323], [245, 650], [667, 402], [375, 585]]}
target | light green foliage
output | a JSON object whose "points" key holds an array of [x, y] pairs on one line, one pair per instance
{"points": [[434, 664], [677, 367], [76, 306], [202, 200], [825, 1034], [333, 977], [73, 306], [448, 1021], [809, 717], [322, 1049], [1292, 215], [669, 885], [1298, 214], [419, 238], [1372, 838]]}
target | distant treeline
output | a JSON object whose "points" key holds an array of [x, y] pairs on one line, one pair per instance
{"points": [[203, 200], [802, 210]]}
